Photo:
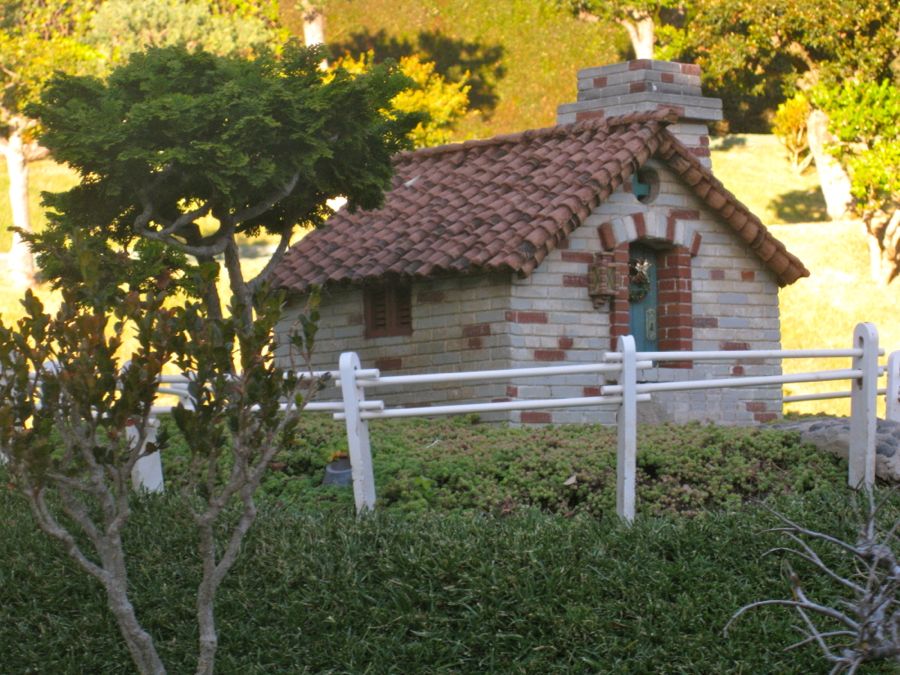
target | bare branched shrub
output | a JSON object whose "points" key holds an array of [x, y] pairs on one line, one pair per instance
{"points": [[865, 626], [72, 432]]}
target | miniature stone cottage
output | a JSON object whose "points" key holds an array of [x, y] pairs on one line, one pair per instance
{"points": [[544, 246]]}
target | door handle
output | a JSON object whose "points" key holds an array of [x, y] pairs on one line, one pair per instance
{"points": [[650, 324]]}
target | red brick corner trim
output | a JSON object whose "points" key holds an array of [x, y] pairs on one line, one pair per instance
{"points": [[676, 323]]}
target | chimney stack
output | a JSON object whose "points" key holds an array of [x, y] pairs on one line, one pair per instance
{"points": [[644, 86]]}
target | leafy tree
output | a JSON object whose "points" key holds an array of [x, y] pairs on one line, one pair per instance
{"points": [[641, 19], [789, 44], [77, 391], [65, 378], [191, 150], [865, 120], [37, 38], [442, 102], [789, 125], [767, 52], [179, 152], [472, 63]]}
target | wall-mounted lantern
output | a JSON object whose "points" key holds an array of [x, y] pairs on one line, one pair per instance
{"points": [[602, 279]]}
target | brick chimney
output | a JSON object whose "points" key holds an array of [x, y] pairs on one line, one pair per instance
{"points": [[643, 86]]}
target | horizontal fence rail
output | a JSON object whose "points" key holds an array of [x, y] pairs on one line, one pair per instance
{"points": [[727, 382], [624, 364]]}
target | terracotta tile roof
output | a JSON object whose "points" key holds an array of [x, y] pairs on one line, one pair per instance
{"points": [[504, 203]]}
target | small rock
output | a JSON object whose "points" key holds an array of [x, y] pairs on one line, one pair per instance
{"points": [[833, 434]]}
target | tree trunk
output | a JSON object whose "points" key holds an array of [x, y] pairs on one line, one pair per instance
{"points": [[313, 27], [641, 32], [140, 644], [883, 232], [20, 263], [313, 24], [833, 179], [206, 595]]}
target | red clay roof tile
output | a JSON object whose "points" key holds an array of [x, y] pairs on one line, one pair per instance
{"points": [[504, 203]]}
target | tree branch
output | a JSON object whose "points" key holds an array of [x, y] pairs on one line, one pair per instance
{"points": [[196, 251], [283, 243], [35, 151], [51, 527], [258, 209], [186, 219]]}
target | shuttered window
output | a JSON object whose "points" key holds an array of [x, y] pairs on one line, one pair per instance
{"points": [[388, 310]]}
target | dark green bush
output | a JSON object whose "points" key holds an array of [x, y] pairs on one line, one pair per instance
{"points": [[481, 559], [430, 592]]}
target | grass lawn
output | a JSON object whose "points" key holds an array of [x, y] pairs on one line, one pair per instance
{"points": [[45, 175], [822, 310], [755, 168], [454, 585], [526, 53]]}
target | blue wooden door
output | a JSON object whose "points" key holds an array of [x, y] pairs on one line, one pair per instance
{"points": [[643, 297]]}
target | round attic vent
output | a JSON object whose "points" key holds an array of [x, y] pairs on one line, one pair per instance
{"points": [[645, 185]]}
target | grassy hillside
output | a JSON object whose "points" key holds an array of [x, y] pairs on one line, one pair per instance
{"points": [[537, 47], [756, 169], [45, 175], [822, 310]]}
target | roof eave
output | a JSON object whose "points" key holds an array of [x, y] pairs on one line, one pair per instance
{"points": [[786, 267]]}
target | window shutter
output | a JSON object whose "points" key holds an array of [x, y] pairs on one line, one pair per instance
{"points": [[376, 311], [403, 297], [387, 310]]}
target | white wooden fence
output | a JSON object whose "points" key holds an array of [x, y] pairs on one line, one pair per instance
{"points": [[624, 364]]}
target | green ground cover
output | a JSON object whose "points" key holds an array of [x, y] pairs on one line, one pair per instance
{"points": [[456, 463], [436, 590]]}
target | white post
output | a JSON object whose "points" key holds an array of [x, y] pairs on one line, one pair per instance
{"points": [[357, 434], [626, 427], [147, 473], [892, 393], [861, 453]]}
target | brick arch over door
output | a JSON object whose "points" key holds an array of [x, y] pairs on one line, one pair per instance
{"points": [[676, 242]]}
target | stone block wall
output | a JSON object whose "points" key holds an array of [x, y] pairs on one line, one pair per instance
{"points": [[726, 300], [459, 323], [554, 322]]}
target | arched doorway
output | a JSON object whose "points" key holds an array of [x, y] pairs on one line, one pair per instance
{"points": [[643, 296]]}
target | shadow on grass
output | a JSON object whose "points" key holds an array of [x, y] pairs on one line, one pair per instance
{"points": [[729, 142], [475, 63], [800, 206]]}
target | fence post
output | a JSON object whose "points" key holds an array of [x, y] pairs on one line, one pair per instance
{"points": [[892, 393], [861, 451], [357, 434], [626, 428], [147, 473]]}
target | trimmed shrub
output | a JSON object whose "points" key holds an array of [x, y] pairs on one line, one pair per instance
{"points": [[430, 592]]}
